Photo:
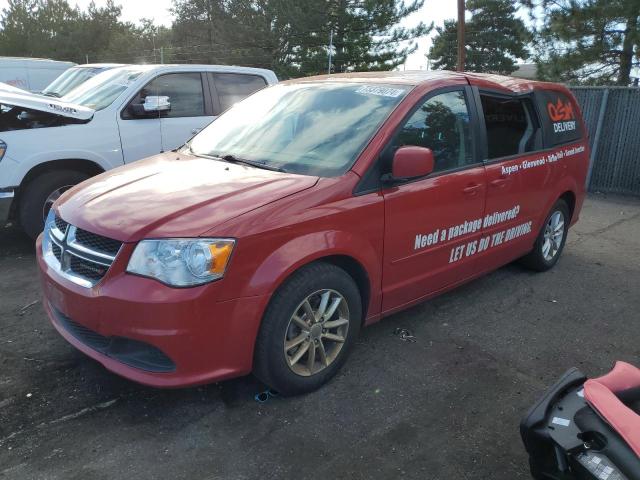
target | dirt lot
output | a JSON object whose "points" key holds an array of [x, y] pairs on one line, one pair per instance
{"points": [[444, 407]]}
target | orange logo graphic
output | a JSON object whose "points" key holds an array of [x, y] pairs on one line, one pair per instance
{"points": [[560, 111]]}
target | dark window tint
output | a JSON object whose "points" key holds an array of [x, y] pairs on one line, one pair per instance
{"points": [[441, 124], [233, 87], [510, 127], [184, 92], [559, 117]]}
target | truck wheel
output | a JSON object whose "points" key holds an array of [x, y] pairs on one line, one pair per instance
{"points": [[551, 240], [40, 194], [308, 329]]}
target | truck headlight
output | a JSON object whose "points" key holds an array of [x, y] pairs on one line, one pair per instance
{"points": [[3, 149], [182, 262]]}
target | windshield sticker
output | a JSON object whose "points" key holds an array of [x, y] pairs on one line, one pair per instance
{"points": [[380, 91]]}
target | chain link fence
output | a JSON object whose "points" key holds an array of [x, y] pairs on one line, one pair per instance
{"points": [[612, 115]]}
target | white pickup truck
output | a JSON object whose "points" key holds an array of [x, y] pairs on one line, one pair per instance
{"points": [[47, 145]]}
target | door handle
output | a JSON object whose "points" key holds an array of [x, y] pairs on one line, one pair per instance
{"points": [[472, 189], [195, 130], [499, 182]]}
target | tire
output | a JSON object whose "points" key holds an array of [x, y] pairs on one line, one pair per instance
{"points": [[274, 363], [33, 207], [540, 259]]}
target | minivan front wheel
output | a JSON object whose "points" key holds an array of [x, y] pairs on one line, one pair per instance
{"points": [[551, 239], [308, 329]]}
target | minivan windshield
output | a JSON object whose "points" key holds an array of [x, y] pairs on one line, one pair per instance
{"points": [[100, 91], [308, 128]]}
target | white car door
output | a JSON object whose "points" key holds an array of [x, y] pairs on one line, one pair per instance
{"points": [[190, 109], [140, 133]]}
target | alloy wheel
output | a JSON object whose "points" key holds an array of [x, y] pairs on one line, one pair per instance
{"points": [[316, 332], [553, 236]]}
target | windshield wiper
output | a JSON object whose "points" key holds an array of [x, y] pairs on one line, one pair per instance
{"points": [[233, 159]]}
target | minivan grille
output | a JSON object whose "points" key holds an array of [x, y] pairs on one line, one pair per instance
{"points": [[61, 224], [80, 256], [87, 269], [57, 251], [98, 242]]}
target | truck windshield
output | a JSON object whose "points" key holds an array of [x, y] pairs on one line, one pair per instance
{"points": [[100, 91], [69, 80], [307, 128]]}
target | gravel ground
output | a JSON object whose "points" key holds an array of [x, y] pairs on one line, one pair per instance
{"points": [[446, 406]]}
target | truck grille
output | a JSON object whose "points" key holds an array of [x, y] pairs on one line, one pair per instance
{"points": [[80, 256]]}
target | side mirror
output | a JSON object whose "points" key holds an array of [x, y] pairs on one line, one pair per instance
{"points": [[411, 162], [156, 103]]}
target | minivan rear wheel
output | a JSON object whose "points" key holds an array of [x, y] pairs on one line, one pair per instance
{"points": [[551, 239], [308, 329], [40, 194]]}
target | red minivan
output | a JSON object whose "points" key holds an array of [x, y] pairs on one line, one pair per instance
{"points": [[308, 210]]}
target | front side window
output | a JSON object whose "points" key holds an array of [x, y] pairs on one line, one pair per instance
{"points": [[233, 87], [183, 92], [442, 123], [510, 128], [315, 128]]}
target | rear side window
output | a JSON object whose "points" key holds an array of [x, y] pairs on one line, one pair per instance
{"points": [[511, 127], [441, 124], [233, 87], [559, 118]]}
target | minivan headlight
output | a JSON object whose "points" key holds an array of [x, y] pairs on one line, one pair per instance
{"points": [[182, 262], [3, 149]]}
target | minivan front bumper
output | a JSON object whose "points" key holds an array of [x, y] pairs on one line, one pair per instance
{"points": [[150, 333], [6, 200]]}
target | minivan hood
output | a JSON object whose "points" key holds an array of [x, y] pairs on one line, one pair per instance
{"points": [[46, 104], [173, 195]]}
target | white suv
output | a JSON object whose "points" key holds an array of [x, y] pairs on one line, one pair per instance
{"points": [[47, 145]]}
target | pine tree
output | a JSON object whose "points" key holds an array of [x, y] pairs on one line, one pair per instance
{"points": [[367, 35], [54, 29], [587, 41], [288, 36], [292, 36], [494, 39]]}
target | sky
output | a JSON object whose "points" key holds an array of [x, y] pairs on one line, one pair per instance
{"points": [[158, 10]]}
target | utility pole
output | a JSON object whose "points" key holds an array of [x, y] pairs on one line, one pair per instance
{"points": [[461, 49], [330, 50], [162, 55]]}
